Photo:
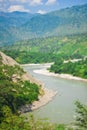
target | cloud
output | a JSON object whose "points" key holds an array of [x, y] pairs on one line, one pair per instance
{"points": [[21, 1], [50, 2], [36, 2], [17, 8], [3, 5], [41, 12]]}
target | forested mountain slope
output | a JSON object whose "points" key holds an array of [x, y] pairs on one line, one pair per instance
{"points": [[62, 22], [10, 24], [48, 49], [19, 25]]}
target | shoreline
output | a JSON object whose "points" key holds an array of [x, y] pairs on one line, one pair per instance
{"points": [[48, 96], [42, 101], [33, 64], [47, 73], [65, 76], [45, 99]]}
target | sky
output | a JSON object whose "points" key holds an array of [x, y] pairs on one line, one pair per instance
{"points": [[37, 6]]}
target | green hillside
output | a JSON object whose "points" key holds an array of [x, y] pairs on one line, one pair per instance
{"points": [[14, 90], [48, 49]]}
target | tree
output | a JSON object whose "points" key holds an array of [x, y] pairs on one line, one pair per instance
{"points": [[81, 119]]}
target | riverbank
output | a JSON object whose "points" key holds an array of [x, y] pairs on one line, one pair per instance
{"points": [[44, 64], [42, 100], [65, 76], [61, 106], [46, 72]]}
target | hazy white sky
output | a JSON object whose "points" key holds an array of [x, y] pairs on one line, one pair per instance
{"points": [[37, 6]]}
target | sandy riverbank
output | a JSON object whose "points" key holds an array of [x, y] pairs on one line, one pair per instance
{"points": [[65, 76], [44, 64], [42, 100], [46, 72]]}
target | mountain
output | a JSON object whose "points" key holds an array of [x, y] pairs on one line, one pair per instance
{"points": [[9, 25], [62, 22], [19, 25], [15, 18]]}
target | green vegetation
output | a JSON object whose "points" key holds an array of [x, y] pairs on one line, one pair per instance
{"points": [[14, 92], [76, 69], [48, 49], [81, 119], [14, 122], [56, 36]]}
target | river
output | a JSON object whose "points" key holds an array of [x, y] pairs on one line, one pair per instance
{"points": [[62, 108]]}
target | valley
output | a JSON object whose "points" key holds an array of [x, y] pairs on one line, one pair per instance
{"points": [[43, 68]]}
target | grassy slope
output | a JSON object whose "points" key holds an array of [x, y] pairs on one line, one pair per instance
{"points": [[48, 49]]}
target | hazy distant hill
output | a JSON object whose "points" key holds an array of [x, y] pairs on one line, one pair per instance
{"points": [[66, 21], [9, 25], [15, 18], [19, 25]]}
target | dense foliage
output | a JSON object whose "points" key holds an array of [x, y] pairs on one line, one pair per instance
{"points": [[75, 68], [13, 91], [48, 49], [14, 122], [81, 118]]}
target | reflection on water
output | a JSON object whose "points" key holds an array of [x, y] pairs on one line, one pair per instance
{"points": [[61, 109]]}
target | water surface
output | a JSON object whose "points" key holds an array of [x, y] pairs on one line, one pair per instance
{"points": [[62, 108]]}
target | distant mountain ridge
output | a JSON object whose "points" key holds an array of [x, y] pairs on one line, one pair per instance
{"points": [[15, 18], [19, 25]]}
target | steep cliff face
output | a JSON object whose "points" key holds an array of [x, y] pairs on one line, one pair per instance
{"points": [[6, 60]]}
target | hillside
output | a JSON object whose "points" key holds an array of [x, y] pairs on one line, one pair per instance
{"points": [[48, 49], [15, 91], [19, 25], [10, 25], [17, 88], [19, 93], [8, 61]]}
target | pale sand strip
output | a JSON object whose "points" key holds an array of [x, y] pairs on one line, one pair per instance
{"points": [[65, 76], [43, 100], [44, 64]]}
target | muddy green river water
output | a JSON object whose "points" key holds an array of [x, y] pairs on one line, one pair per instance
{"points": [[62, 108]]}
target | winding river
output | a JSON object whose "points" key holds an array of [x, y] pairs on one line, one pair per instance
{"points": [[62, 108]]}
